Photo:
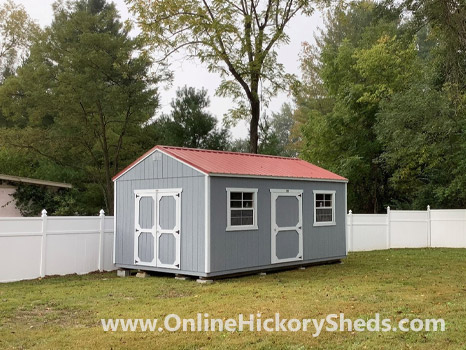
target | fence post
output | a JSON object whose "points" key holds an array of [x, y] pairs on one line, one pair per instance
{"points": [[429, 228], [43, 243], [350, 231], [101, 239], [389, 238]]}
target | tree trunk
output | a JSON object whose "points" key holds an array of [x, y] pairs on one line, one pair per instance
{"points": [[108, 174], [110, 199], [254, 125]]}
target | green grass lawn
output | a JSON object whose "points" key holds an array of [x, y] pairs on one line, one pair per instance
{"points": [[65, 312]]}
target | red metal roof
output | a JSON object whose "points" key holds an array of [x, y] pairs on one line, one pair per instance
{"points": [[247, 164]]}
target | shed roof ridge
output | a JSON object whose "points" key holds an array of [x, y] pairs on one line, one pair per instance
{"points": [[227, 152]]}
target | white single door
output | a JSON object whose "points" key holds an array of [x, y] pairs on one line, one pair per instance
{"points": [[168, 228], [157, 228], [286, 225], [144, 227]]}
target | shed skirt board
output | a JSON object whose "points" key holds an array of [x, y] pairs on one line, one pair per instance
{"points": [[157, 228], [246, 270], [286, 225]]}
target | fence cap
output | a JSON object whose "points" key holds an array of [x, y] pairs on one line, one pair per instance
{"points": [[102, 212], [44, 213]]}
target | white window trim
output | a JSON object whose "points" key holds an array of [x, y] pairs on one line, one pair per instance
{"points": [[324, 223], [254, 207]]}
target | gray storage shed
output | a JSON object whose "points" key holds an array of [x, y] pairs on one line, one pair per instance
{"points": [[211, 213]]}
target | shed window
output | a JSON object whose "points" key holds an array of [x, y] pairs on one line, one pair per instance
{"points": [[324, 208], [242, 209]]}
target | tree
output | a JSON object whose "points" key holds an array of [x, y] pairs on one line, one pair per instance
{"points": [[240, 145], [16, 33], [84, 95], [310, 94], [423, 138], [444, 21], [364, 56], [383, 103], [429, 118], [189, 124], [236, 39], [268, 139], [275, 137], [31, 199]]}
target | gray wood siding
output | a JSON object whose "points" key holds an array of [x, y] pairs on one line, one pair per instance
{"points": [[235, 250], [159, 174]]}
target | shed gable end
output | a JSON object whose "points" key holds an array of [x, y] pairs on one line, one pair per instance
{"points": [[157, 166]]}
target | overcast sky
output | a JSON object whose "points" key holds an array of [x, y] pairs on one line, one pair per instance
{"points": [[194, 74]]}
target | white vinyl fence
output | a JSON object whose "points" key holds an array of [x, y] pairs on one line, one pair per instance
{"points": [[406, 229], [60, 245]]}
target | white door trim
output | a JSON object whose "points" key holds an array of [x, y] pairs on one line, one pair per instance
{"points": [[274, 229]]}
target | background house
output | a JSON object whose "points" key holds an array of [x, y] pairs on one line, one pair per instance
{"points": [[8, 186]]}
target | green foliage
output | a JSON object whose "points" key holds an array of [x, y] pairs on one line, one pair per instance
{"points": [[239, 145], [444, 23], [423, 133], [16, 32], [268, 139], [82, 97], [362, 59], [275, 135], [423, 130], [189, 124], [381, 104], [31, 199], [236, 39]]}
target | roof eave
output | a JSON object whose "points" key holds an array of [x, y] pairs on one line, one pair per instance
{"points": [[38, 182]]}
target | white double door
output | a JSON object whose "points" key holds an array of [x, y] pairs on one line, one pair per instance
{"points": [[157, 227]]}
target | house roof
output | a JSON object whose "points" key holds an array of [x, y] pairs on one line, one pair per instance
{"points": [[218, 163], [28, 180]]}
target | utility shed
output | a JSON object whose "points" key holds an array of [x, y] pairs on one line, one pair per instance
{"points": [[211, 213]]}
